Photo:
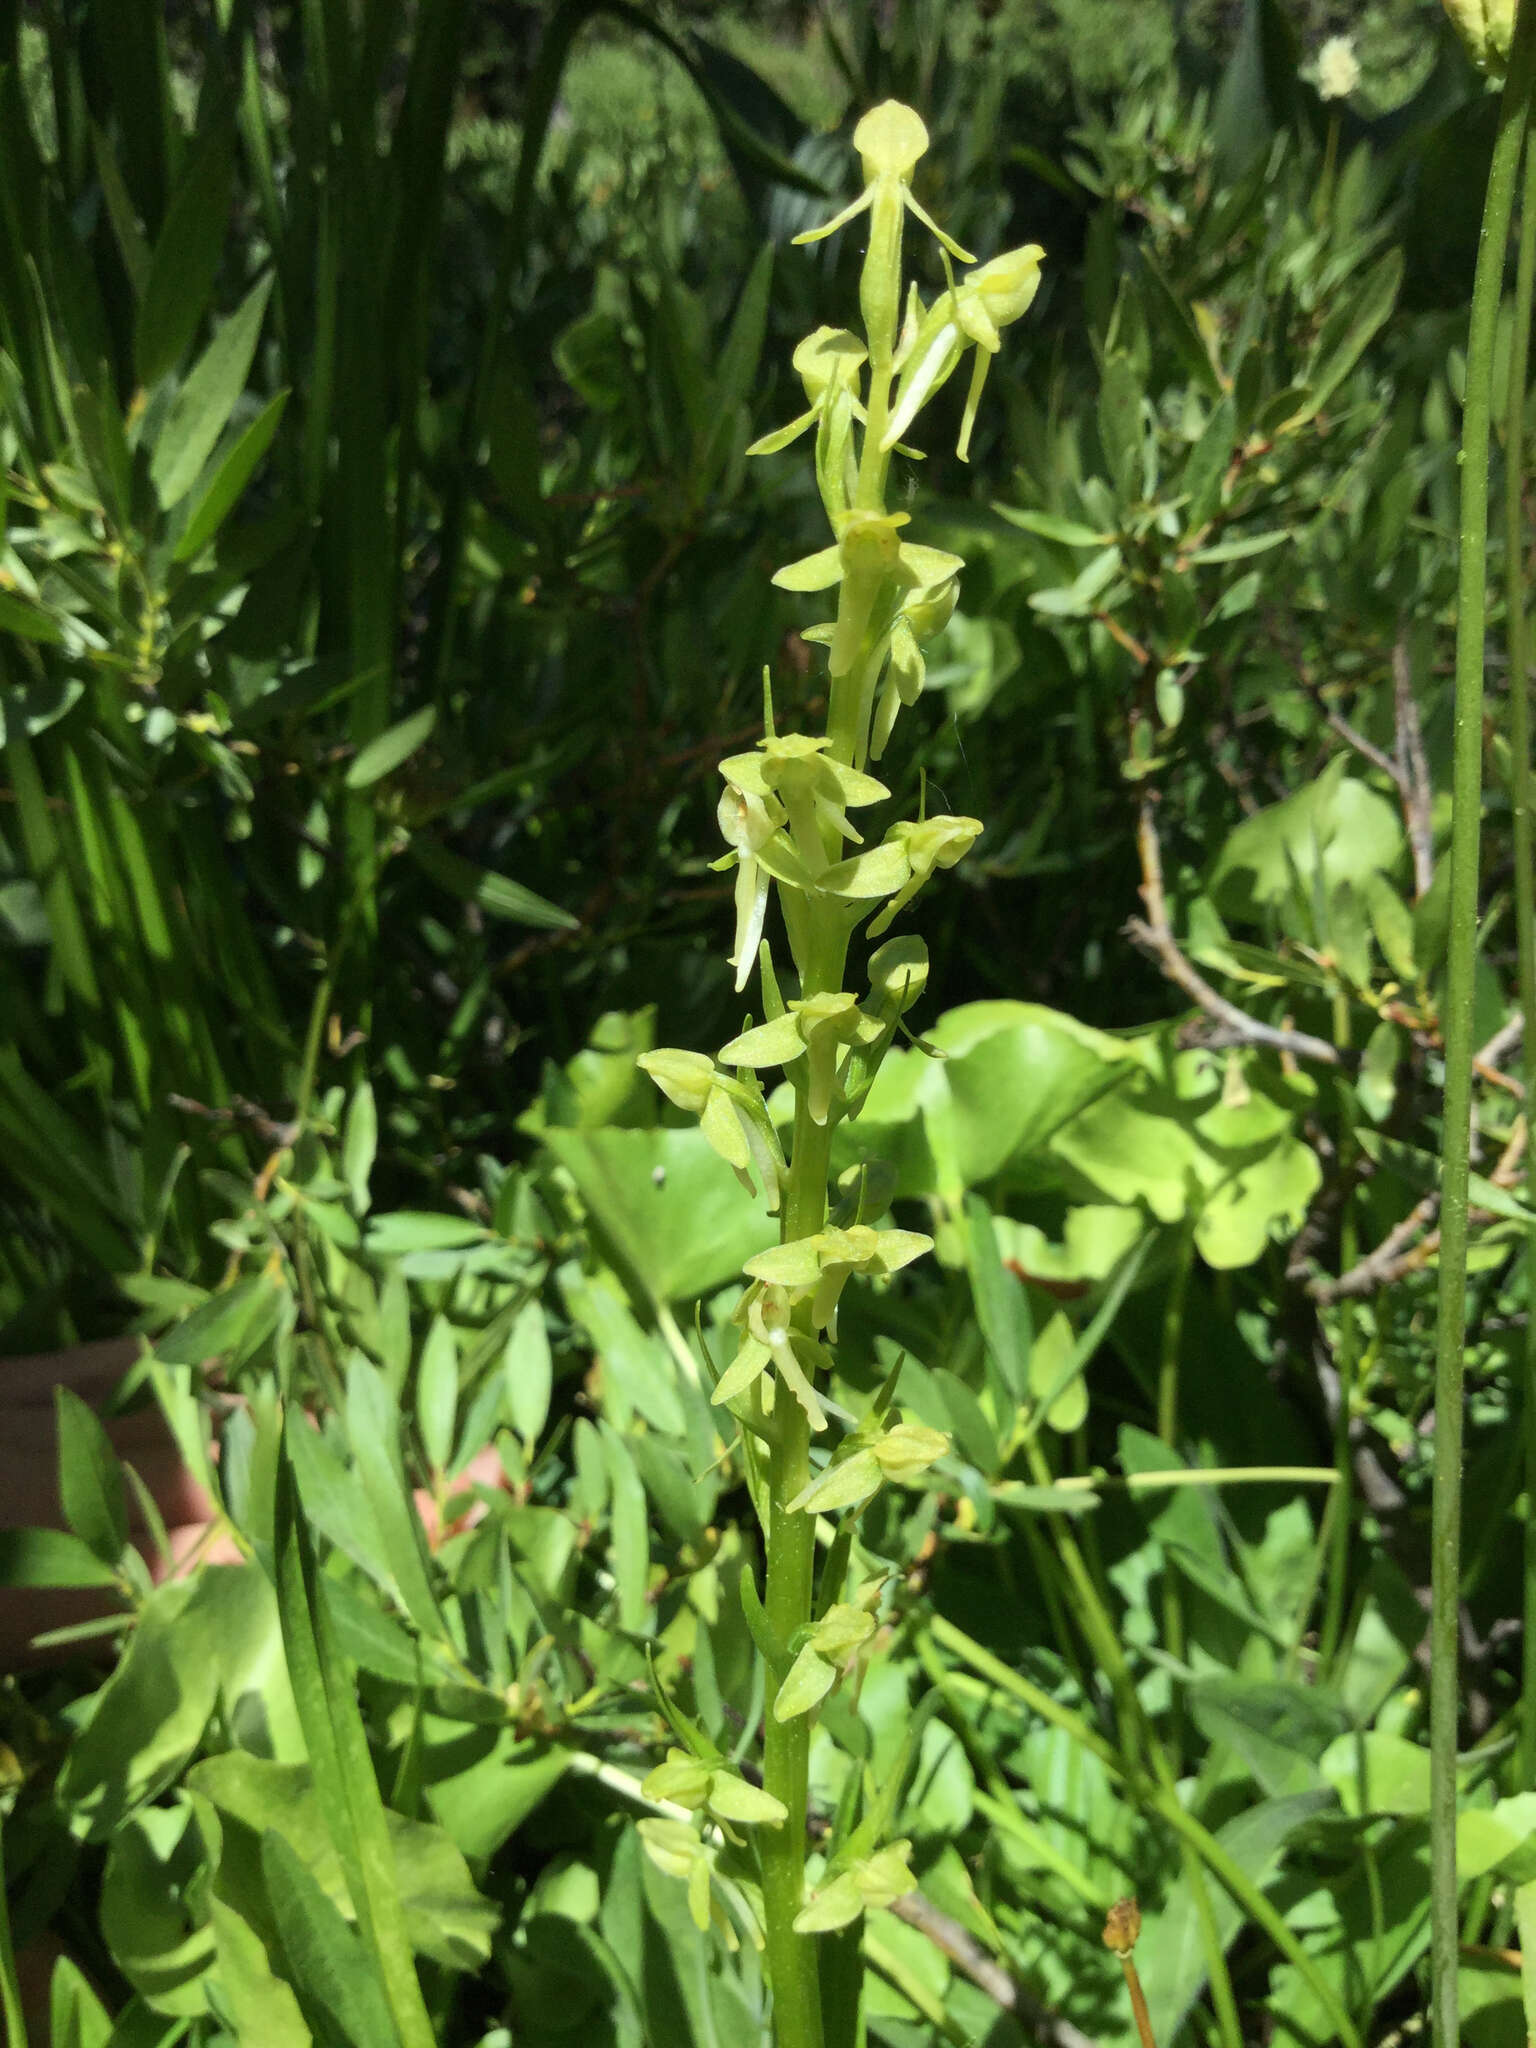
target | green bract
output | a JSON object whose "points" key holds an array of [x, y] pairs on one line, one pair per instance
{"points": [[785, 816]]}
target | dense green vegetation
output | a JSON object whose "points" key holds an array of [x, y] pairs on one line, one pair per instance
{"points": [[383, 579]]}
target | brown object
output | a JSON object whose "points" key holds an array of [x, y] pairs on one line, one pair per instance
{"points": [[1122, 1931]]}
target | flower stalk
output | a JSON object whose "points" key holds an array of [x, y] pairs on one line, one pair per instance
{"points": [[788, 818], [1471, 613]]}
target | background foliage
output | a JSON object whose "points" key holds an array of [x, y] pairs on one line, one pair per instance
{"points": [[382, 580]]}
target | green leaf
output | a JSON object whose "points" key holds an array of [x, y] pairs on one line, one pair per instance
{"points": [[1378, 1772], [76, 2016], [373, 1430], [437, 1392], [1077, 599], [393, 746], [1070, 533], [629, 1540], [1361, 312], [446, 1917], [339, 1754], [360, 1144], [223, 487], [1171, 1955], [205, 401], [185, 261], [150, 1863], [807, 1682], [528, 1373], [497, 895], [149, 1716], [672, 1210], [1119, 417], [90, 1479], [218, 1324], [327, 1962], [28, 621], [1002, 1307], [421, 1230], [50, 1557]]}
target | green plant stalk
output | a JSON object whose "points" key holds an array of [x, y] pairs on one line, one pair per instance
{"points": [[1159, 1799], [1348, 1355], [10, 1988], [1168, 1430], [1471, 612], [1097, 1625], [792, 1958], [1521, 798]]}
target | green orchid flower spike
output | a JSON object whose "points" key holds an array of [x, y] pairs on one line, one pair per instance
{"points": [[807, 885]]}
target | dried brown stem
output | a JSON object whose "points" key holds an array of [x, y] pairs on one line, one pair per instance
{"points": [[1155, 937], [1047, 2028]]}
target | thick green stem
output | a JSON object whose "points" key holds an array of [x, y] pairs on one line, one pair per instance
{"points": [[1525, 863], [1456, 1139], [792, 1960]]}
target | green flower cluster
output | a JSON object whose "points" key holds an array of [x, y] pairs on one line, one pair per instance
{"points": [[787, 815]]}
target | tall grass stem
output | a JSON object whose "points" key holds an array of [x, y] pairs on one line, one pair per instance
{"points": [[1467, 775]]}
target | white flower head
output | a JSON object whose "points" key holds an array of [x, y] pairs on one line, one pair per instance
{"points": [[1338, 69]]}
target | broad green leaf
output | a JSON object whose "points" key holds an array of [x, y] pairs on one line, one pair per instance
{"points": [[1171, 1953], [446, 1917], [1501, 1837], [261, 2005], [220, 493], [90, 1479], [148, 1718], [1279, 1728], [1335, 824], [670, 1207], [481, 1806], [394, 746], [1377, 1772], [185, 260], [201, 409], [162, 1951]]}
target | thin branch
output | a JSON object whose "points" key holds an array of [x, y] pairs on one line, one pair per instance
{"points": [[1155, 936], [1413, 772], [1047, 2028], [1396, 1255]]}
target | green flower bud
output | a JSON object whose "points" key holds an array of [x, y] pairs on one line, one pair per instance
{"points": [[866, 1885], [909, 1448], [1486, 27], [898, 971], [685, 1078], [889, 139], [683, 1779]]}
